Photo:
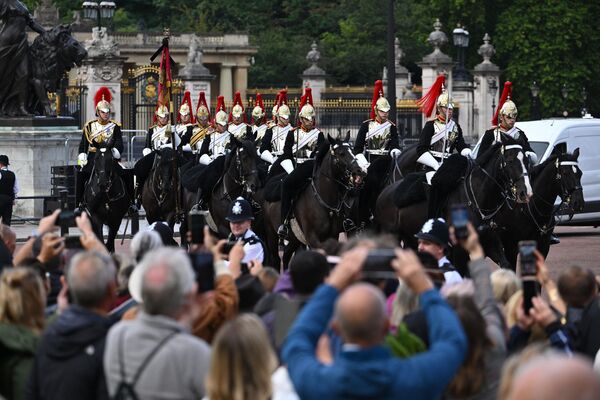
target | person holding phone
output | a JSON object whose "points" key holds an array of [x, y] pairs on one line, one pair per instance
{"points": [[433, 239], [240, 217]]}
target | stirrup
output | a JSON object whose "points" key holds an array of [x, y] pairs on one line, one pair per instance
{"points": [[283, 231], [554, 240], [349, 225]]}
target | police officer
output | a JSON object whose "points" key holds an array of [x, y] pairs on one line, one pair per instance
{"points": [[301, 146], [185, 119], [275, 138], [101, 132], [8, 190], [240, 217], [158, 137], [433, 239], [441, 136], [504, 124], [237, 118]]}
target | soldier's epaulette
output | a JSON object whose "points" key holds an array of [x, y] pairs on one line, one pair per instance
{"points": [[91, 121], [392, 123], [152, 126], [367, 120], [115, 122]]}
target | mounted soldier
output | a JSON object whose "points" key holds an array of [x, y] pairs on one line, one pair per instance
{"points": [[259, 120], [439, 138], [237, 120], [504, 124], [159, 136], [99, 133], [378, 139], [201, 129], [273, 144], [301, 146], [214, 147], [185, 119]]}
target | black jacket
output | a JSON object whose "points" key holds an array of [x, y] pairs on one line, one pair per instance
{"points": [[392, 141], [68, 362]]}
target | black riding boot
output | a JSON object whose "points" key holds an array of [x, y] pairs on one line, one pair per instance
{"points": [[286, 205], [79, 189], [434, 202]]}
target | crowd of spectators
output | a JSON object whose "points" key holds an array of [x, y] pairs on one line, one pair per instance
{"points": [[162, 322]]}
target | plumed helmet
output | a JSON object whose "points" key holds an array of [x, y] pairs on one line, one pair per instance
{"points": [[237, 111], [382, 104], [509, 108], [161, 111], [222, 118], [102, 99], [202, 110], [257, 112], [444, 100], [283, 111], [308, 112], [238, 107], [239, 210], [184, 109]]}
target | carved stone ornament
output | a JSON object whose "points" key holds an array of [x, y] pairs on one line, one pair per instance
{"points": [[101, 44], [486, 50], [313, 57]]}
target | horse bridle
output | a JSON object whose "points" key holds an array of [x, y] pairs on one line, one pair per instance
{"points": [[161, 197], [241, 179], [508, 196], [109, 184], [565, 192]]}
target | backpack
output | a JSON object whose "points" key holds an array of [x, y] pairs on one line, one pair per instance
{"points": [[125, 389]]}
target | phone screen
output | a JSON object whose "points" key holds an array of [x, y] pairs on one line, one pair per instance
{"points": [[527, 257], [460, 219], [204, 269]]}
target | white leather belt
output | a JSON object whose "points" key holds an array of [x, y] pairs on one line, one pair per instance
{"points": [[439, 154]]}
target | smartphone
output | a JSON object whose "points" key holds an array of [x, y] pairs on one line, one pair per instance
{"points": [[197, 221], [73, 242], [66, 218], [530, 290], [527, 257], [459, 213], [204, 269], [378, 264]]}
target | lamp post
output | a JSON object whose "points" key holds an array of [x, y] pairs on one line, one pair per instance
{"points": [[460, 38], [105, 10], [564, 91], [493, 88], [535, 104]]}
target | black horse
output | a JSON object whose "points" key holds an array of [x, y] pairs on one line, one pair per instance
{"points": [[498, 179], [160, 190], [106, 196], [322, 206], [558, 176], [240, 178]]}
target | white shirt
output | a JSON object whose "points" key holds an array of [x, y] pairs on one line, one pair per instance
{"points": [[450, 276], [253, 251]]}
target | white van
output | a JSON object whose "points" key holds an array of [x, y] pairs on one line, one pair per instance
{"points": [[568, 134]]}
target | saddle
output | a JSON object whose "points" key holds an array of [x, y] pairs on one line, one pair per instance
{"points": [[411, 190], [450, 173]]}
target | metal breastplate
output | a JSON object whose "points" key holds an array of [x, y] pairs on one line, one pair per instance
{"points": [[307, 150], [380, 140], [278, 141], [239, 131], [259, 131], [449, 141], [161, 138], [101, 133], [218, 143]]}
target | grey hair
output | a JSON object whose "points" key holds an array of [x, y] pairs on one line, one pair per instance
{"points": [[143, 242], [366, 327], [89, 275], [406, 302], [165, 295]]}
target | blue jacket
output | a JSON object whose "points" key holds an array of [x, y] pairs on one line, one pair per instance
{"points": [[373, 373]]}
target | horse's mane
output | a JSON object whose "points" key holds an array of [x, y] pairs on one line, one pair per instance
{"points": [[537, 170], [322, 152], [484, 158]]}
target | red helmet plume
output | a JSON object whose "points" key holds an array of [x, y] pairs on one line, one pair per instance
{"points": [[427, 102], [506, 93]]}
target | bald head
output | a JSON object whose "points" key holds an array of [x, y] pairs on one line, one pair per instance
{"points": [[556, 377], [360, 315]]}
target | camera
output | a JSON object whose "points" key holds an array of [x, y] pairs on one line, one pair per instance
{"points": [[378, 264], [66, 219], [459, 214], [197, 221]]}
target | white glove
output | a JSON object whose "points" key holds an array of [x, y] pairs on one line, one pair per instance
{"points": [[267, 156], [429, 175], [362, 162], [162, 146], [533, 158], [187, 148], [146, 151], [466, 152], [82, 159], [428, 160], [115, 153], [395, 153], [287, 165], [205, 159]]}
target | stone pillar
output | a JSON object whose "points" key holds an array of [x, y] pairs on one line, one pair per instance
{"points": [[462, 94], [240, 80], [195, 75], [226, 82], [314, 76], [485, 74], [403, 79], [436, 62], [102, 67]]}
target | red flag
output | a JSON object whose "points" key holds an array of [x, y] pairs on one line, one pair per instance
{"points": [[165, 79]]}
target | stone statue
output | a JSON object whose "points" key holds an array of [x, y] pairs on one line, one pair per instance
{"points": [[51, 54], [195, 53], [101, 44]]}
